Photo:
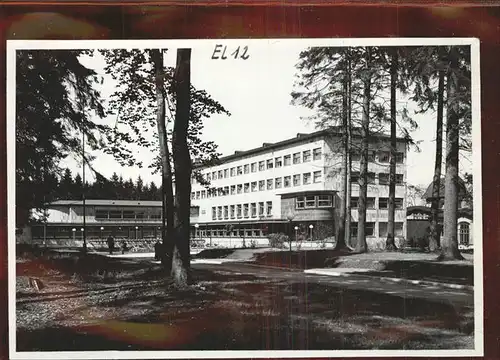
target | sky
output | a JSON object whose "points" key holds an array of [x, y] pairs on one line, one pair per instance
{"points": [[256, 92]]}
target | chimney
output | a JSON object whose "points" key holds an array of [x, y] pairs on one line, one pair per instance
{"points": [[266, 144]]}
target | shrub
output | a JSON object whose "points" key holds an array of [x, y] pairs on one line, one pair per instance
{"points": [[277, 240]]}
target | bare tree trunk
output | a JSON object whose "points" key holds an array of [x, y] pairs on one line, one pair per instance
{"points": [[390, 243], [449, 246], [183, 167], [435, 234], [365, 130], [348, 158], [166, 174], [340, 241]]}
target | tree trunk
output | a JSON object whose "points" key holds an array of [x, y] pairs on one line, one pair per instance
{"points": [[361, 245], [435, 233], [183, 168], [340, 241], [348, 159], [390, 243], [166, 171], [449, 246]]}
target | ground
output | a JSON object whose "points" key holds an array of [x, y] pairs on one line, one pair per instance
{"points": [[105, 303]]}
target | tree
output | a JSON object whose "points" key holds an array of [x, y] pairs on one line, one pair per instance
{"points": [[182, 163], [55, 97], [449, 245], [66, 187]]}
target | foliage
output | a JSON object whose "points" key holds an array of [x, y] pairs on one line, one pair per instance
{"points": [[278, 240], [55, 103]]}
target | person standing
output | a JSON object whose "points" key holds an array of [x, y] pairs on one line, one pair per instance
{"points": [[111, 244]]}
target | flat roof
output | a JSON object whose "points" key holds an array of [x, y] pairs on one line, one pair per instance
{"points": [[301, 137], [105, 202]]}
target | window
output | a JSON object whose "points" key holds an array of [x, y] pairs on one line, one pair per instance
{"points": [[128, 214], [399, 179], [317, 176], [246, 169], [306, 156], [296, 158], [354, 229], [370, 229], [300, 202], [220, 191], [269, 184], [226, 190], [197, 195], [233, 189], [261, 209], [233, 171], [220, 174], [262, 165], [226, 212], [400, 157], [324, 201], [239, 170], [354, 202], [253, 209], [287, 180], [262, 185], [371, 156], [253, 167], [226, 173], [278, 162], [239, 188], [269, 208], [193, 195], [296, 180], [213, 192], [398, 203], [383, 203], [370, 203], [232, 211], [464, 233], [370, 177], [277, 183], [384, 156], [214, 213], [269, 164], [245, 210], [398, 229], [214, 175], [306, 178], [247, 187], [383, 179], [254, 186], [287, 159], [238, 211], [219, 212], [203, 194], [317, 154], [355, 177], [101, 214], [208, 176], [310, 201]]}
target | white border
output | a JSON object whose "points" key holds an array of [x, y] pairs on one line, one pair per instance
{"points": [[13, 45]]}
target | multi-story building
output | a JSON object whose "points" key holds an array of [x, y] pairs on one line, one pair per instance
{"points": [[294, 183]]}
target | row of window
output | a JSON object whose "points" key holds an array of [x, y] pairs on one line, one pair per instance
{"points": [[313, 201], [383, 203], [381, 156], [277, 162], [261, 185], [383, 178], [382, 229], [249, 230], [126, 214], [252, 210]]}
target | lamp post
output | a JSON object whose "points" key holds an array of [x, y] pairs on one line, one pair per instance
{"points": [[290, 217], [102, 228], [311, 228], [196, 226], [296, 230], [136, 228], [74, 234], [83, 239]]}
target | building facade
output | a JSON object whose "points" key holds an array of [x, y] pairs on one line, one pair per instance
{"points": [[294, 183]]}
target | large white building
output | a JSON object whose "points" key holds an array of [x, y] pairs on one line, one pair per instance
{"points": [[293, 183]]}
